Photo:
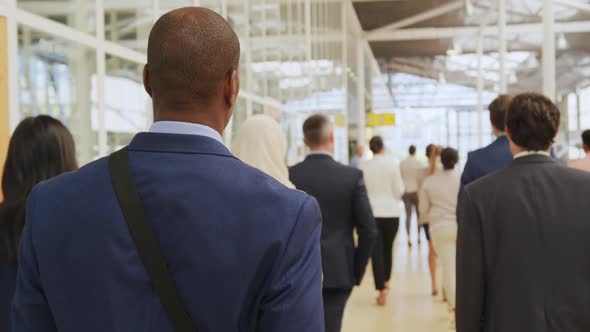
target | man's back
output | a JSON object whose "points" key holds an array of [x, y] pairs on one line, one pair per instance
{"points": [[234, 239], [412, 171], [487, 160], [344, 204], [523, 250]]}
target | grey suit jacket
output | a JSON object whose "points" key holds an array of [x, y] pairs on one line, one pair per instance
{"points": [[523, 250]]}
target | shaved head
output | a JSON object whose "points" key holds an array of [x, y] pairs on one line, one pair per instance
{"points": [[193, 54]]}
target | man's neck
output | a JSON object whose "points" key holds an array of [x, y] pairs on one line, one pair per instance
{"points": [[216, 124], [516, 150], [320, 151]]}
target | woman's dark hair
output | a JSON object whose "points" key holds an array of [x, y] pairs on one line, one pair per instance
{"points": [[586, 138], [376, 144], [449, 158], [40, 148], [533, 121], [412, 150]]}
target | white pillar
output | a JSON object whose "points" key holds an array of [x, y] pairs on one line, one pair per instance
{"points": [[480, 87], [308, 41], [156, 10], [344, 15], [13, 75], [100, 79], [362, 116], [502, 42], [548, 50]]}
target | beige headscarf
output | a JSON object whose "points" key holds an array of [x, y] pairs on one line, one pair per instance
{"points": [[261, 143]]}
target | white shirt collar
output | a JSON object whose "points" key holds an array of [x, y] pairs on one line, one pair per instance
{"points": [[530, 153], [321, 153], [185, 128]]}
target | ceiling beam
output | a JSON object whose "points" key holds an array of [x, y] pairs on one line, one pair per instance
{"points": [[452, 32], [421, 17], [574, 4]]}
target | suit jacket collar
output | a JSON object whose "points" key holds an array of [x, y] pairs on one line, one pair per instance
{"points": [[534, 159], [503, 139], [178, 143]]}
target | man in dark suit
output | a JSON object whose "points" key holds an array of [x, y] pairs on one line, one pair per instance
{"points": [[494, 156], [242, 249], [345, 207], [523, 255]]}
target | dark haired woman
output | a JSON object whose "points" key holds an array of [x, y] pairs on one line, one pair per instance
{"points": [[385, 189], [40, 148], [438, 201]]}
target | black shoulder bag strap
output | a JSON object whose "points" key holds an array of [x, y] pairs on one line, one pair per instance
{"points": [[146, 242]]}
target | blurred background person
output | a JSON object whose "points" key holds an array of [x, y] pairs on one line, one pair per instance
{"points": [[411, 171], [359, 151], [434, 165], [385, 189], [438, 200], [40, 148], [584, 163], [345, 207], [261, 143], [496, 155], [522, 248]]}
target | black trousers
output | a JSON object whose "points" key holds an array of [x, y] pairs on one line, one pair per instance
{"points": [[334, 303], [383, 251]]}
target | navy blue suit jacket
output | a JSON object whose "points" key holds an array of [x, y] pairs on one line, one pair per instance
{"points": [[7, 285], [243, 249], [484, 161]]}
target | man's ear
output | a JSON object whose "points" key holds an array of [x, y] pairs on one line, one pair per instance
{"points": [[232, 88], [332, 136], [146, 80]]}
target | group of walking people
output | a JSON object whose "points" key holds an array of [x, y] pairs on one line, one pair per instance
{"points": [[175, 232]]}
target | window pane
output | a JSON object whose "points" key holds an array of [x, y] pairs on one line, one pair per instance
{"points": [[58, 78]]}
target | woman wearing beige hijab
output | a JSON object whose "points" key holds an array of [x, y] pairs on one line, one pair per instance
{"points": [[261, 143]]}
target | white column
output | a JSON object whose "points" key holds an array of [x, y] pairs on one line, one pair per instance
{"points": [[13, 86], [344, 17], [548, 50], [480, 87], [224, 8], [248, 61], [100, 79], [156, 10], [362, 116], [308, 40], [502, 42]]}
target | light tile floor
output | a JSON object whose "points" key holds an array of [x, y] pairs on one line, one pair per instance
{"points": [[410, 308]]}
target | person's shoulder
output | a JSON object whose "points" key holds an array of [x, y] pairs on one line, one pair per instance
{"points": [[487, 183], [258, 182], [76, 181]]}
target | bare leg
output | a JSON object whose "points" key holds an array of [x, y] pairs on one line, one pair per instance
{"points": [[432, 266]]}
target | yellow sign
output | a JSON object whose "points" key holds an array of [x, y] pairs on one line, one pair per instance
{"points": [[380, 119], [339, 120]]}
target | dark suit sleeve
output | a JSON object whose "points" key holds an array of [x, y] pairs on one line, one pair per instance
{"points": [[366, 229], [471, 280], [30, 310], [293, 302]]}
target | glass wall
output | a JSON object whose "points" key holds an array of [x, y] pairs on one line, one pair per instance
{"points": [[58, 78], [82, 61]]}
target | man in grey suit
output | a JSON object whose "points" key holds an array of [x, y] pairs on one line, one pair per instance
{"points": [[523, 251]]}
